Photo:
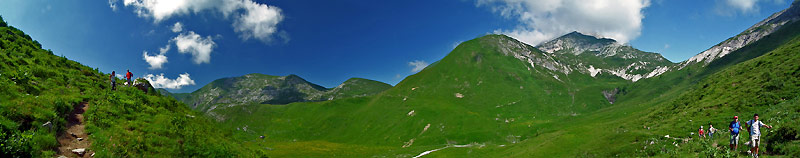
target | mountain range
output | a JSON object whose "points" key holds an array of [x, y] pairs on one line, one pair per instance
{"points": [[577, 95], [574, 96]]}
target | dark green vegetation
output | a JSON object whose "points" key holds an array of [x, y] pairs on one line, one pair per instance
{"points": [[492, 96], [266, 89], [483, 100], [475, 95], [768, 85], [39, 87]]}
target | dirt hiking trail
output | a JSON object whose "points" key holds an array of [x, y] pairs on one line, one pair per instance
{"points": [[75, 137]]}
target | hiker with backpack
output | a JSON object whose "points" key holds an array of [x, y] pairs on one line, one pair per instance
{"points": [[128, 76], [754, 126], [734, 127], [711, 131], [113, 80]]}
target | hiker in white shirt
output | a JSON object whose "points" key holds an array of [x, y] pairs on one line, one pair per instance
{"points": [[754, 126], [711, 131]]}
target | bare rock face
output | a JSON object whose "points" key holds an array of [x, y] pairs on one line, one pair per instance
{"points": [[611, 95], [752, 34], [584, 54]]}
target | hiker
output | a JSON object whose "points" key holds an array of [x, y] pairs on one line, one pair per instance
{"points": [[113, 80], [754, 126], [734, 127], [700, 133], [128, 76], [711, 131]]}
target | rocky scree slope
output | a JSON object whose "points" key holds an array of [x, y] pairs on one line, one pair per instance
{"points": [[594, 56]]}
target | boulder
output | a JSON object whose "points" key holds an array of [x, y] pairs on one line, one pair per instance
{"points": [[48, 125], [143, 85], [79, 151]]}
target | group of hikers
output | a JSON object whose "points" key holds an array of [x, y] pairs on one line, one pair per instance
{"points": [[753, 127], [113, 79]]}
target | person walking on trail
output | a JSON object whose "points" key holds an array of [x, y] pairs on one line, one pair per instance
{"points": [[734, 127], [113, 80], [754, 126], [700, 133], [711, 131], [128, 76]]}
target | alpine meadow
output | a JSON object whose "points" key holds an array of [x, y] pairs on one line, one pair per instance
{"points": [[565, 88]]}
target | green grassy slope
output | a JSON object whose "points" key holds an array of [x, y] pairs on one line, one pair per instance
{"points": [[267, 89], [743, 89], [39, 87], [356, 87], [543, 119], [476, 94], [653, 108]]}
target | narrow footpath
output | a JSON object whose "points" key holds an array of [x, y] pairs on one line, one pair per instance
{"points": [[75, 141]]}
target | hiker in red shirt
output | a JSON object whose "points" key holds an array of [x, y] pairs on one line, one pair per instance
{"points": [[702, 134], [128, 76]]}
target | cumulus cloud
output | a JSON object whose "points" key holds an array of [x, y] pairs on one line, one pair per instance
{"points": [[156, 61], [251, 20], [542, 20], [199, 47], [733, 7], [159, 81], [178, 27], [417, 65], [742, 5], [259, 21]]}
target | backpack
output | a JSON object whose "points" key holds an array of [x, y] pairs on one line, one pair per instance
{"points": [[735, 126]]}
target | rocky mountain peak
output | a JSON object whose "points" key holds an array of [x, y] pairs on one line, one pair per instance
{"points": [[590, 55], [576, 43], [752, 34]]}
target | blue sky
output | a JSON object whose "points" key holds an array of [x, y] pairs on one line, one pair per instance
{"points": [[327, 42]]}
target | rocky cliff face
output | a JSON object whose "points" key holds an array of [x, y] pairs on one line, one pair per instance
{"points": [[752, 34], [594, 56]]}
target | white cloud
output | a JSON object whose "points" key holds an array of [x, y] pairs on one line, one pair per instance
{"points": [[744, 6], [163, 9], [417, 65], [199, 47], [159, 81], [733, 7], [156, 61], [543, 20], [251, 19], [113, 4], [259, 21], [178, 27], [164, 49]]}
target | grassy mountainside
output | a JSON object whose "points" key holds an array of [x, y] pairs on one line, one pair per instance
{"points": [[356, 87], [39, 87], [481, 101], [266, 89], [755, 86], [476, 95]]}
